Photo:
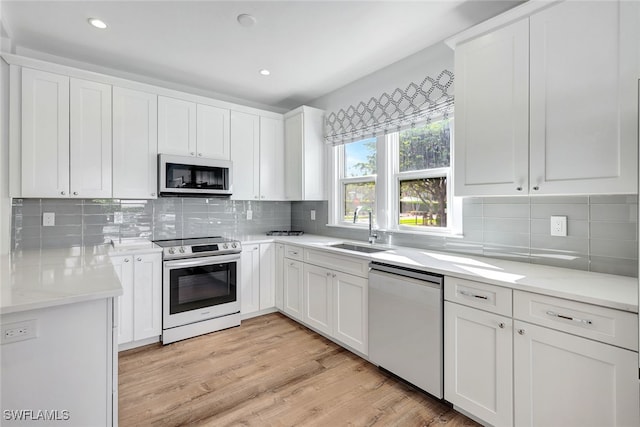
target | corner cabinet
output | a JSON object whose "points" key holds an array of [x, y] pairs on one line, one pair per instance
{"points": [[548, 104], [257, 279], [65, 136], [135, 144], [304, 154]]}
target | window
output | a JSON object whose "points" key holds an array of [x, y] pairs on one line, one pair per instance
{"points": [[421, 176], [403, 178], [358, 181]]}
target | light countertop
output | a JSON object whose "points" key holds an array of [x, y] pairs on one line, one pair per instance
{"points": [[608, 290], [35, 279]]}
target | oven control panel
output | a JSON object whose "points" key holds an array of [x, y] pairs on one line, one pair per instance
{"points": [[199, 250]]}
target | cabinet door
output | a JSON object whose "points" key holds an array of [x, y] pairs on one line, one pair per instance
{"points": [[271, 159], [147, 301], [135, 144], [351, 311], [212, 132], [124, 269], [478, 363], [318, 298], [492, 113], [245, 155], [176, 127], [45, 134], [293, 277], [90, 139], [564, 380], [279, 276], [584, 75], [267, 275], [293, 155], [250, 279]]}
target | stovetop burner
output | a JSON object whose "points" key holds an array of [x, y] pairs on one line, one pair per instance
{"points": [[198, 247]]}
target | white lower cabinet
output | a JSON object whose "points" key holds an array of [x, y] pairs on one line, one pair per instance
{"points": [[505, 371], [565, 380], [140, 306], [478, 363], [292, 290], [318, 298], [257, 278]]}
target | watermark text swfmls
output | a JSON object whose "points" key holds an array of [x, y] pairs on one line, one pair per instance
{"points": [[36, 415]]}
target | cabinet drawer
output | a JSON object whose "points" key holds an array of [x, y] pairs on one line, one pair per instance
{"points": [[293, 252], [590, 321], [495, 299], [345, 264]]}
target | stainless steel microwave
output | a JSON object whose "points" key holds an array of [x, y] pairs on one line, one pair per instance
{"points": [[193, 176]]}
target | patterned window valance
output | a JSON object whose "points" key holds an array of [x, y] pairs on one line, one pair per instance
{"points": [[419, 102]]}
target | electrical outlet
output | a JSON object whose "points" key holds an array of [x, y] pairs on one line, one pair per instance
{"points": [[19, 331], [559, 226], [249, 215], [313, 215], [118, 217], [48, 219]]}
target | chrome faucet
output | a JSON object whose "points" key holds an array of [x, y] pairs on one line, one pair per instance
{"points": [[372, 236]]}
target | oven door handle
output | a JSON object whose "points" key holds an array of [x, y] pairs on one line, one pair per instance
{"points": [[219, 259]]}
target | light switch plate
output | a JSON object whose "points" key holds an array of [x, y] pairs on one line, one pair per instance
{"points": [[118, 218], [249, 215], [48, 219], [313, 215], [558, 226]]}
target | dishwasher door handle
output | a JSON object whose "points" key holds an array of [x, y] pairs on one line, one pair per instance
{"points": [[432, 279], [382, 284]]}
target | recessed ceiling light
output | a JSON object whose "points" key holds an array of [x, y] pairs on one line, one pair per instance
{"points": [[246, 20], [265, 72], [97, 23]]}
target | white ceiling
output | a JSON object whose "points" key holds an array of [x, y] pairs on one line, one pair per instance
{"points": [[311, 47]]}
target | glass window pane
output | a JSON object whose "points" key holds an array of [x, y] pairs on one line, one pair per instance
{"points": [[359, 199], [423, 202], [360, 158], [425, 147]]}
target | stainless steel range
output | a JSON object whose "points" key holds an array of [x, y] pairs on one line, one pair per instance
{"points": [[200, 286]]}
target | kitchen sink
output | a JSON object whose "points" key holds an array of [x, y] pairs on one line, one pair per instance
{"points": [[357, 248]]}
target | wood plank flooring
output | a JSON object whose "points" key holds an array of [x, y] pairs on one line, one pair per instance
{"points": [[271, 371]]}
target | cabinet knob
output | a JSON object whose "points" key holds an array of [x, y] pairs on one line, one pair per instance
{"points": [[153, 194], [255, 197], [333, 275], [501, 325], [536, 188], [262, 197], [75, 193], [199, 154], [291, 264], [192, 153], [328, 274], [519, 188], [126, 260], [521, 331], [63, 192], [139, 259]]}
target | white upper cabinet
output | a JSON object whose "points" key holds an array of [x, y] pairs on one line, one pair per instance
{"points": [[45, 134], [135, 144], [189, 129], [492, 113], [176, 126], [304, 154], [212, 139], [66, 136], [562, 82], [245, 155], [271, 159], [584, 75]]}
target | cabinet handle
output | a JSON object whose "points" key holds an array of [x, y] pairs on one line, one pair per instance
{"points": [[153, 194], [63, 193], [469, 294], [574, 319], [501, 325], [139, 259], [536, 188], [255, 197], [255, 249], [328, 274], [199, 154], [291, 264], [519, 188], [293, 253], [75, 193], [126, 260], [262, 197], [521, 331], [192, 153], [333, 275]]}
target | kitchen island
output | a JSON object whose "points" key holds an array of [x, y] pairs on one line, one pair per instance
{"points": [[58, 355]]}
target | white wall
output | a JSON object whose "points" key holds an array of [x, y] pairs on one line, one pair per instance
{"points": [[427, 62], [5, 201]]}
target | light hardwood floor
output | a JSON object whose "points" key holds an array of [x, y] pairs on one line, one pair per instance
{"points": [[271, 371]]}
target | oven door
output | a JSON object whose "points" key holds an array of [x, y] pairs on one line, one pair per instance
{"points": [[198, 289]]}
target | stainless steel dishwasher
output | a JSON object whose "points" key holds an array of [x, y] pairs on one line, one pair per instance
{"points": [[405, 324]]}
